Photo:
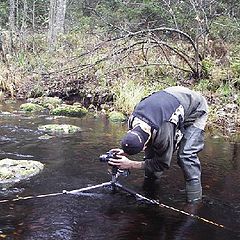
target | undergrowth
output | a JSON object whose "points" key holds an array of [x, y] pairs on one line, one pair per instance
{"points": [[129, 76]]}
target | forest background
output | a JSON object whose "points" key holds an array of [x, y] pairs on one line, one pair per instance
{"points": [[110, 54]]}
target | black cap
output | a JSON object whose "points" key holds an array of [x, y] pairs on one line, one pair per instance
{"points": [[134, 141]]}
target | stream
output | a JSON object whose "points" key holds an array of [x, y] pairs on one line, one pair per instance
{"points": [[71, 162]]}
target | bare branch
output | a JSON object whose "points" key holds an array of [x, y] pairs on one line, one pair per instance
{"points": [[165, 29], [177, 52]]}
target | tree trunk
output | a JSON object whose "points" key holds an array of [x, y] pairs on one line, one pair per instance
{"points": [[11, 16], [17, 14], [56, 21], [23, 30], [12, 27]]}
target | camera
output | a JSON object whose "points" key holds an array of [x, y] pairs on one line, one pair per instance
{"points": [[110, 154], [115, 170]]}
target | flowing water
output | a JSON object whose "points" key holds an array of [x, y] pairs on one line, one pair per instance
{"points": [[71, 162]]}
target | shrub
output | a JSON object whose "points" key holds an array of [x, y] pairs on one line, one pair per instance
{"points": [[128, 94]]}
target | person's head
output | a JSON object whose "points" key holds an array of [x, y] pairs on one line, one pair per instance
{"points": [[135, 140]]}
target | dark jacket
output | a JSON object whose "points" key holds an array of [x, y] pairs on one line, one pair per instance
{"points": [[167, 111]]}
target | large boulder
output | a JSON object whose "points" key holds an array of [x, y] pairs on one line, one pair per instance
{"points": [[13, 171], [69, 110], [59, 128]]}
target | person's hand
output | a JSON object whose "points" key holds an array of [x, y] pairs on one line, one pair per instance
{"points": [[119, 151], [122, 163]]}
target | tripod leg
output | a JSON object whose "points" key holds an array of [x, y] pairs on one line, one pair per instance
{"points": [[136, 195], [89, 188]]}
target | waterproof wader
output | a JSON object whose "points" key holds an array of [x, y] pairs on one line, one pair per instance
{"points": [[191, 144]]}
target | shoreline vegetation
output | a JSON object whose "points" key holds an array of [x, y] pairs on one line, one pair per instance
{"points": [[98, 62], [118, 84]]}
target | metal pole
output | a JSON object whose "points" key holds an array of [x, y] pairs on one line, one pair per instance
{"points": [[87, 188], [136, 195]]}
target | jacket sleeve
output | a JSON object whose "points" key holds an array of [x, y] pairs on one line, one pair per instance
{"points": [[159, 154]]}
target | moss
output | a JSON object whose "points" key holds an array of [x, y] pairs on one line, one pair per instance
{"points": [[12, 171], [31, 107], [70, 110], [59, 128], [117, 117]]}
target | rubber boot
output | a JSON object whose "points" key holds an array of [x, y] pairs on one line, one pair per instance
{"points": [[193, 191]]}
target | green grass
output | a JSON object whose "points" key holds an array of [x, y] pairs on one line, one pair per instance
{"points": [[128, 94]]}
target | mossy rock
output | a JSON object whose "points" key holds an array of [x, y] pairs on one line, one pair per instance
{"points": [[117, 116], [59, 128], [70, 110], [13, 171], [31, 107], [47, 102]]}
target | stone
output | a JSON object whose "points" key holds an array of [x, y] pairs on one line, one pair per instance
{"points": [[59, 128], [69, 110], [31, 107], [115, 116], [13, 171]]}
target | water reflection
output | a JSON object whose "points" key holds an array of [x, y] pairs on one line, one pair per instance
{"points": [[72, 162]]}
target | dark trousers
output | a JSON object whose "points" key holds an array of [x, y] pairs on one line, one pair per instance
{"points": [[191, 144]]}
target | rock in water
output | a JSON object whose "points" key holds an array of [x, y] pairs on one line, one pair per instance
{"points": [[69, 110], [13, 171], [31, 107], [59, 128], [117, 116]]}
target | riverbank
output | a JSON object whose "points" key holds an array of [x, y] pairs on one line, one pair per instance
{"points": [[223, 121], [106, 75]]}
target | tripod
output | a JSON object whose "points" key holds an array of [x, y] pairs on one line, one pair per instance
{"points": [[115, 185]]}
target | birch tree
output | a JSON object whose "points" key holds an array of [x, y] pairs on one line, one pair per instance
{"points": [[11, 16], [56, 21]]}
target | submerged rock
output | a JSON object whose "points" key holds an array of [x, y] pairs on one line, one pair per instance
{"points": [[69, 110], [31, 107], [117, 117], [13, 171], [59, 128]]}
